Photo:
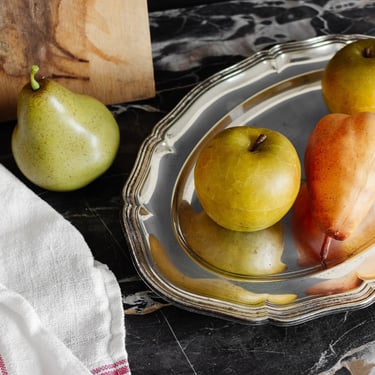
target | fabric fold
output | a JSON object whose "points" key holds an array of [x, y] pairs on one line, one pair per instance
{"points": [[45, 261]]}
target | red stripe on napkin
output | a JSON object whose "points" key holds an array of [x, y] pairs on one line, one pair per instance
{"points": [[3, 368], [117, 368]]}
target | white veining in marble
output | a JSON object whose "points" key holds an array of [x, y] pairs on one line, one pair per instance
{"points": [[358, 361], [228, 32]]}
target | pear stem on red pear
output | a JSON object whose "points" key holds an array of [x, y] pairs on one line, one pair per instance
{"points": [[33, 82], [324, 249], [261, 138], [367, 52]]}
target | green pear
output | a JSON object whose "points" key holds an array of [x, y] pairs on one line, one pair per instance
{"points": [[62, 140]]}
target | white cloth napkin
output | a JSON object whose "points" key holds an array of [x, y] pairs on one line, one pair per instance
{"points": [[60, 310]]}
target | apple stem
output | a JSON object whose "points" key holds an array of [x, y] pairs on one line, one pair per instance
{"points": [[261, 138], [33, 82], [367, 52], [324, 250]]}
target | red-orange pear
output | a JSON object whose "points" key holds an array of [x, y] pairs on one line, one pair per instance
{"points": [[308, 237], [340, 172]]}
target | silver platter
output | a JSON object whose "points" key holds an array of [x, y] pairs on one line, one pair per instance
{"points": [[179, 254]]}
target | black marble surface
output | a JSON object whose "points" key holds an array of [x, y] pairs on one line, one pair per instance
{"points": [[190, 44]]}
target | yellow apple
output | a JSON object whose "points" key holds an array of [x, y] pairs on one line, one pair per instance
{"points": [[348, 82], [247, 178]]}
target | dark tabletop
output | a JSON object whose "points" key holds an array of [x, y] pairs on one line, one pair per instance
{"points": [[190, 44]]}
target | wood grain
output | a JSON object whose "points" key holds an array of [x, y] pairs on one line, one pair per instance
{"points": [[94, 47]]}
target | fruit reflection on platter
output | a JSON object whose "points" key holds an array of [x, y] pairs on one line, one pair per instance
{"points": [[286, 271], [212, 287], [232, 252]]}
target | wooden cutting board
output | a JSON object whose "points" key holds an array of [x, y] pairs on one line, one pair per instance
{"points": [[95, 47]]}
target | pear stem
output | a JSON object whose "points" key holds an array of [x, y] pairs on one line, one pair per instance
{"points": [[261, 138], [33, 82], [324, 250]]}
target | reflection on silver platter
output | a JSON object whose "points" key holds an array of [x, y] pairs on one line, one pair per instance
{"points": [[179, 252]]}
